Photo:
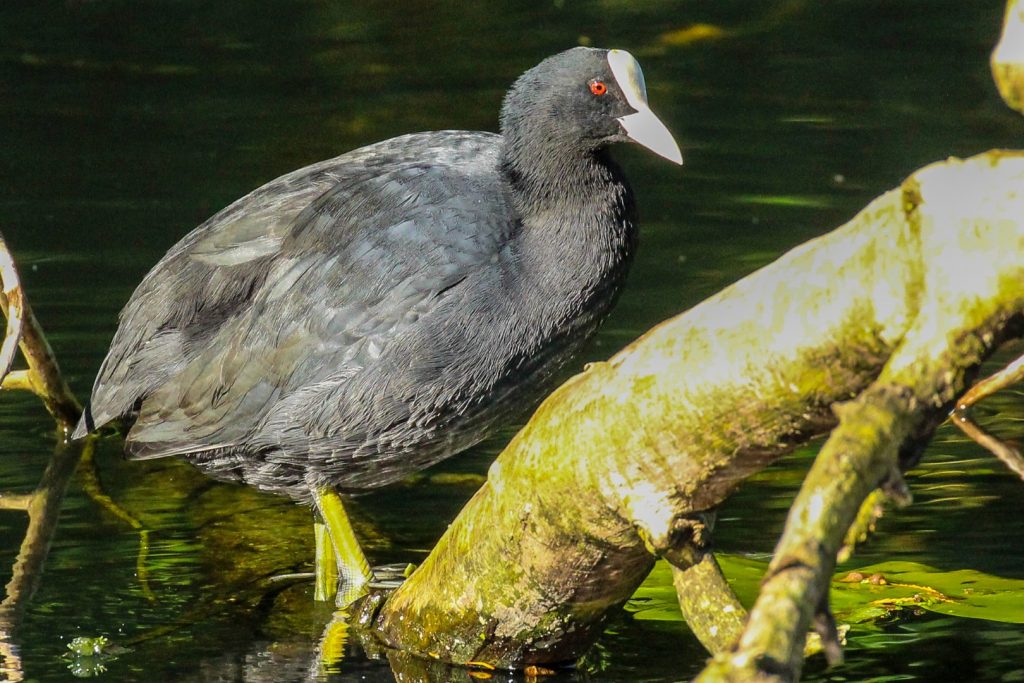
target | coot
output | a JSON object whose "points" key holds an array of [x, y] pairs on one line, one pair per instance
{"points": [[364, 317]]}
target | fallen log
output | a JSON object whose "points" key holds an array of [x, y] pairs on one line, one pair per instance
{"points": [[891, 314]]}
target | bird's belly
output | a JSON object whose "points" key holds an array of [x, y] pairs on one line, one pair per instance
{"points": [[438, 425]]}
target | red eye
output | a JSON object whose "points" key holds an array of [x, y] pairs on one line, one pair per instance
{"points": [[598, 87]]}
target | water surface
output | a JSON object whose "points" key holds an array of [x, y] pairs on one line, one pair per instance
{"points": [[125, 124]]}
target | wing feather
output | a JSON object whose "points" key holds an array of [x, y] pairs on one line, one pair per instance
{"points": [[352, 276]]}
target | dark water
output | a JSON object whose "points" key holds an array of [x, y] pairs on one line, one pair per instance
{"points": [[123, 124]]}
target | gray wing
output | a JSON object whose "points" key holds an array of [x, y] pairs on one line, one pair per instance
{"points": [[326, 294], [195, 287]]}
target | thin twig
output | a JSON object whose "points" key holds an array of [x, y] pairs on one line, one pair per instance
{"points": [[15, 501], [17, 379], [43, 377], [11, 306], [1009, 375]]}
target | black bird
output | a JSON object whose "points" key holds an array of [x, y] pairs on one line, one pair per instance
{"points": [[367, 316]]}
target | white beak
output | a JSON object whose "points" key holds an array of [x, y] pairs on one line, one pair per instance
{"points": [[643, 127]]}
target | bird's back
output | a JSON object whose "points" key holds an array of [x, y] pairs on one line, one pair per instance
{"points": [[364, 317], [303, 283]]}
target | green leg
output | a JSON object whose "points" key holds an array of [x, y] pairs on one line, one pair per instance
{"points": [[353, 569], [326, 586]]}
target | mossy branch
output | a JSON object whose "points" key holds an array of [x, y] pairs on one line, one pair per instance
{"points": [[892, 313], [876, 327], [967, 304], [1008, 57]]}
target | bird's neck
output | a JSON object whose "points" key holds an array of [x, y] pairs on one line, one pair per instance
{"points": [[578, 224], [543, 170], [564, 194]]}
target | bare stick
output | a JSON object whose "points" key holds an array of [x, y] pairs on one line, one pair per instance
{"points": [[43, 376], [1011, 374]]}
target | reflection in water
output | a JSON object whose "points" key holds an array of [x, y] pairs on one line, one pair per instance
{"points": [[43, 508], [345, 652]]}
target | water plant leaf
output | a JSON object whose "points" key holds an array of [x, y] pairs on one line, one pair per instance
{"points": [[963, 593], [862, 596], [655, 600]]}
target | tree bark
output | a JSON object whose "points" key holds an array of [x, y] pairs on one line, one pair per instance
{"points": [[892, 312]]}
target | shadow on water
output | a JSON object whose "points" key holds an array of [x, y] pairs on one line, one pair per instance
{"points": [[127, 123]]}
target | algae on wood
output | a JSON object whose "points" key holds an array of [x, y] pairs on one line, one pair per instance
{"points": [[624, 462], [1008, 57], [618, 466], [972, 299]]}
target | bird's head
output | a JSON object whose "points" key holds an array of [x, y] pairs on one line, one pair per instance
{"points": [[585, 97]]}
